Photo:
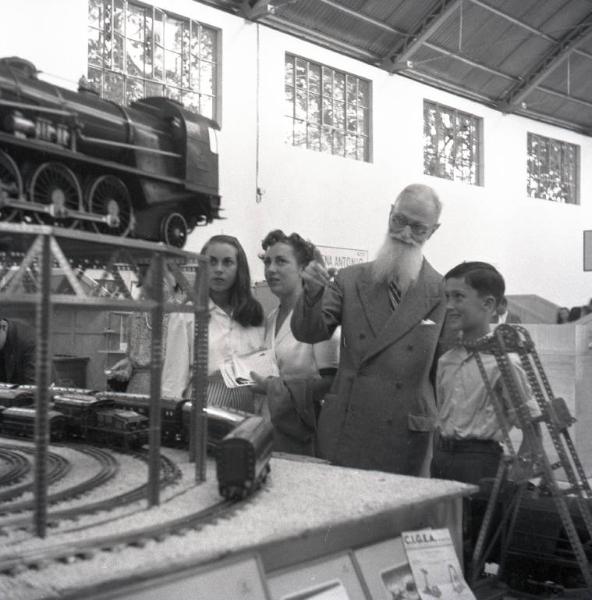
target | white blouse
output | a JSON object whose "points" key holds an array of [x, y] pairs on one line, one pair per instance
{"points": [[226, 338], [298, 360]]}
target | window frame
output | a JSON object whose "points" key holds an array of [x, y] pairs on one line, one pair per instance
{"points": [[564, 147], [105, 63], [478, 144], [329, 133]]}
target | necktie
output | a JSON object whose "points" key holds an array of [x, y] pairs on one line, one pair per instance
{"points": [[394, 295]]}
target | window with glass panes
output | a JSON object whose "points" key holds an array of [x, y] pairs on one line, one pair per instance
{"points": [[452, 144], [553, 168], [136, 51], [327, 110]]}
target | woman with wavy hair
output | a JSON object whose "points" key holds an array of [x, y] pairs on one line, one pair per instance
{"points": [[306, 370], [235, 327]]}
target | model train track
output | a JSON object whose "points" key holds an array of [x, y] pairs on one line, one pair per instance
{"points": [[169, 474], [108, 469], [17, 466], [58, 467], [72, 551]]}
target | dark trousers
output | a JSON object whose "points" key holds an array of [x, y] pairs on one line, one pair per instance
{"points": [[469, 461]]}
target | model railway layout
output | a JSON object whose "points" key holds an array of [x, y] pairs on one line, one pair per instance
{"points": [[87, 548], [241, 443]]}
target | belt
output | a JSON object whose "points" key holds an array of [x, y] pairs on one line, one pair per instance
{"points": [[468, 445]]}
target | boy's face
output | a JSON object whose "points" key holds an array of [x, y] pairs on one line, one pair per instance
{"points": [[467, 311]]}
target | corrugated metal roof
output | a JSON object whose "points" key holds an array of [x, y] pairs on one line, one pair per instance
{"points": [[532, 57]]}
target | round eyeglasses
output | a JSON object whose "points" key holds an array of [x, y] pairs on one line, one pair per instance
{"points": [[399, 221]]}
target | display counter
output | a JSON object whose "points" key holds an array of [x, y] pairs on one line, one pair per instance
{"points": [[314, 531]]}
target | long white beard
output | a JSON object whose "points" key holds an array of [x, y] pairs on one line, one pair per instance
{"points": [[397, 260]]}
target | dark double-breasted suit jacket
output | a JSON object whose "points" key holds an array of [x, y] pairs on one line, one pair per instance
{"points": [[381, 408]]}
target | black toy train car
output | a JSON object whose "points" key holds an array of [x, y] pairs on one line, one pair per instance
{"points": [[71, 158], [170, 413], [98, 420], [221, 421], [82, 418], [19, 421], [13, 396], [175, 417], [242, 458], [118, 428]]}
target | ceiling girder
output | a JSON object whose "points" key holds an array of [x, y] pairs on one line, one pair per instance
{"points": [[255, 9], [322, 39], [395, 59], [552, 59], [362, 17], [566, 97], [468, 61], [428, 25], [525, 26]]}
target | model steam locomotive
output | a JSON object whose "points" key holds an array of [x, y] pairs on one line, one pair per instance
{"points": [[73, 159]]}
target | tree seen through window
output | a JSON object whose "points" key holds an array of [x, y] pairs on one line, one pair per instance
{"points": [[553, 168], [136, 51], [452, 144]]}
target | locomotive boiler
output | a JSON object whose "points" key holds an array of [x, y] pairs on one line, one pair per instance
{"points": [[73, 159]]}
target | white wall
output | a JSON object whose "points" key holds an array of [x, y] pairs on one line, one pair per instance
{"points": [[336, 201]]}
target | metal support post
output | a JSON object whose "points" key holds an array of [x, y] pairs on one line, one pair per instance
{"points": [[42, 375], [157, 272], [199, 398]]}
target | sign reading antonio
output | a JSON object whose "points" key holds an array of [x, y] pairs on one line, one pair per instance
{"points": [[338, 258]]}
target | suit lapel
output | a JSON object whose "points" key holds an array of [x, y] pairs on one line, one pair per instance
{"points": [[418, 302], [374, 300]]}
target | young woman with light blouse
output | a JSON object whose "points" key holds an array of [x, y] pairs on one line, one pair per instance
{"points": [[235, 327]]}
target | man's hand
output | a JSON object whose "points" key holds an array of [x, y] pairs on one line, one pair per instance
{"points": [[314, 279]]}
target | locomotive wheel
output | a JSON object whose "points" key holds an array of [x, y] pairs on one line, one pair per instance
{"points": [[108, 196], [11, 183], [173, 230], [56, 185]]}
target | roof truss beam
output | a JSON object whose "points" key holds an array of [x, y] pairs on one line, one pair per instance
{"points": [[327, 41], [551, 60], [254, 10], [401, 54], [361, 16]]}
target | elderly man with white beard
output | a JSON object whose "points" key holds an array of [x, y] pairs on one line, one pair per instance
{"points": [[381, 410]]}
